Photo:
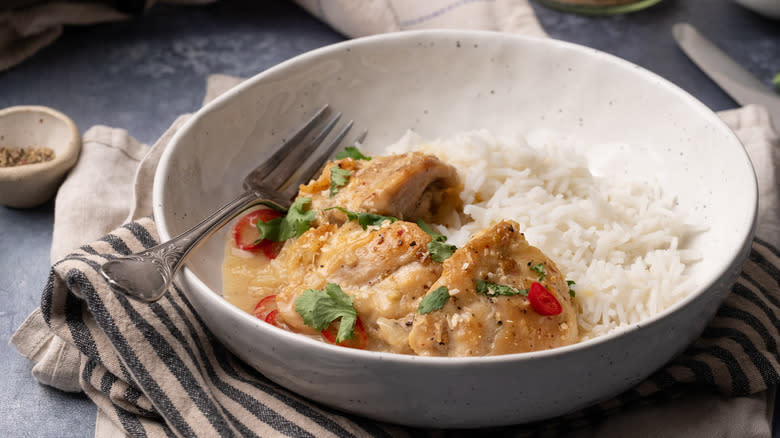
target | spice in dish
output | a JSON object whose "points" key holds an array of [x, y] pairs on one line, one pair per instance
{"points": [[10, 157]]}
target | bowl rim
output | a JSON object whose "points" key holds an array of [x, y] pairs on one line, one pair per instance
{"points": [[216, 299], [67, 157]]}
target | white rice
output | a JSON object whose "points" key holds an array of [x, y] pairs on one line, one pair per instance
{"points": [[619, 240]]}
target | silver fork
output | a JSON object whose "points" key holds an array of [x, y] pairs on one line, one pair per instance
{"points": [[146, 275]]}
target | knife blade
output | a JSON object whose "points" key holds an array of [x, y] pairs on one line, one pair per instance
{"points": [[737, 82]]}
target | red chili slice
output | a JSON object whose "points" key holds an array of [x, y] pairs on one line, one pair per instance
{"points": [[271, 317], [359, 338], [246, 235], [265, 308], [270, 248], [542, 301]]}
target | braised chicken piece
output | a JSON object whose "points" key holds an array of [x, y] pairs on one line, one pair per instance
{"points": [[500, 294], [410, 186], [477, 324], [385, 269]]}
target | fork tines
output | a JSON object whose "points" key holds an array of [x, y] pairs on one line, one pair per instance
{"points": [[300, 157]]}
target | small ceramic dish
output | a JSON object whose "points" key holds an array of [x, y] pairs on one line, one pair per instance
{"points": [[29, 185]]}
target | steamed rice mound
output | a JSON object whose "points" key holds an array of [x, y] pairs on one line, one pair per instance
{"points": [[620, 240]]}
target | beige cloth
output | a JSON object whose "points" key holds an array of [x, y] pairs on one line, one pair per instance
{"points": [[112, 158], [27, 26], [369, 17]]}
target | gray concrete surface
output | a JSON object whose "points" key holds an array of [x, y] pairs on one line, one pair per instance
{"points": [[140, 74]]}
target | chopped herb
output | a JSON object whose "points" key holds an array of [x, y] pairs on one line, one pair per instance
{"points": [[364, 219], [295, 223], [494, 289], [338, 178], [351, 152], [776, 81], [571, 291], [319, 308], [539, 269], [428, 230], [434, 300], [440, 251]]}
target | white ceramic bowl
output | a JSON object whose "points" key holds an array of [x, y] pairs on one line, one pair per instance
{"points": [[36, 126], [440, 82]]}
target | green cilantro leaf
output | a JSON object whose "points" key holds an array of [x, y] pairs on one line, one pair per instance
{"points": [[364, 219], [295, 223], [571, 291], [298, 219], [351, 152], [434, 300], [429, 231], [439, 250], [319, 308], [269, 230], [338, 178], [539, 269], [494, 289], [776, 81]]}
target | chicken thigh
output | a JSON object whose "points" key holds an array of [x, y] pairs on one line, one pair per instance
{"points": [[476, 324], [386, 270], [410, 186]]}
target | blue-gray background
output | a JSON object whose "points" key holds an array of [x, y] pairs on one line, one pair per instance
{"points": [[140, 74]]}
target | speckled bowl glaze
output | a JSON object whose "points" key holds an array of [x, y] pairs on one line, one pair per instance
{"points": [[438, 83], [36, 126]]}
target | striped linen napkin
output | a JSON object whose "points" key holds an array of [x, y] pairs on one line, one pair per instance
{"points": [[156, 370]]}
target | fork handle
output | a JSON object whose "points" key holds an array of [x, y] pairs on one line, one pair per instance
{"points": [[146, 275]]}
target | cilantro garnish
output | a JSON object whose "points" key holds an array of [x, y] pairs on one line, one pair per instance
{"points": [[351, 152], [319, 308], [439, 250], [776, 81], [428, 230], [571, 291], [338, 178], [434, 300], [539, 269], [295, 223], [364, 219], [494, 289]]}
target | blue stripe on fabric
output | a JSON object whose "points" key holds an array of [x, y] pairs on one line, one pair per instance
{"points": [[223, 356], [142, 376], [141, 234], [258, 409], [116, 243], [740, 384], [78, 329], [174, 363]]}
